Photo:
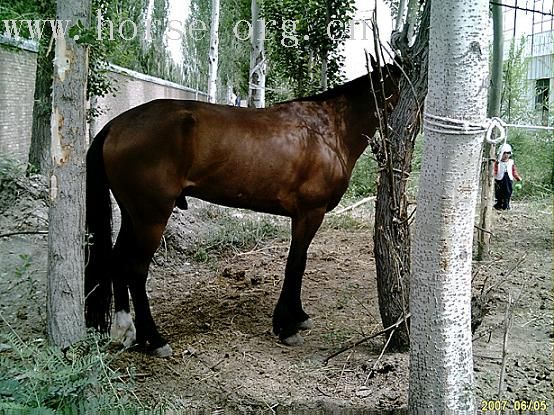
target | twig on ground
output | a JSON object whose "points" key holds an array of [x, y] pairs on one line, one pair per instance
{"points": [[504, 277], [322, 392], [380, 356], [365, 339], [508, 322], [5, 235], [489, 330], [355, 205], [509, 315], [484, 230], [256, 251], [367, 310]]}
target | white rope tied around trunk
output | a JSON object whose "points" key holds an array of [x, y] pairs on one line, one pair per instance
{"points": [[445, 125]]}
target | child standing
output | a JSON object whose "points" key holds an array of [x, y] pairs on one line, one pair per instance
{"points": [[504, 173]]}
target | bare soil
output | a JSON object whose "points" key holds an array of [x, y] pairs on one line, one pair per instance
{"points": [[217, 316]]}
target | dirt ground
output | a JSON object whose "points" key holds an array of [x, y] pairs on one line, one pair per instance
{"points": [[217, 316]]}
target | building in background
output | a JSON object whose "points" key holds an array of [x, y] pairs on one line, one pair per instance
{"points": [[533, 21], [540, 74]]}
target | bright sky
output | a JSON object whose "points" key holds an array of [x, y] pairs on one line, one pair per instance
{"points": [[527, 22], [178, 10], [355, 57]]}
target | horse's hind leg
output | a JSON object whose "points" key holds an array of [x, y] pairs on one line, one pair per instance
{"points": [[134, 249], [289, 316], [122, 328]]}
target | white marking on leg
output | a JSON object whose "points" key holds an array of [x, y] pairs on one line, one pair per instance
{"points": [[123, 328]]}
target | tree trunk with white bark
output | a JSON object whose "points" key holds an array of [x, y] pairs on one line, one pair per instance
{"points": [[213, 55], [256, 91], [441, 361], [66, 236]]}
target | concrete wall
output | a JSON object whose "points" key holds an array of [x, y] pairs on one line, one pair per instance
{"points": [[133, 89], [17, 84]]}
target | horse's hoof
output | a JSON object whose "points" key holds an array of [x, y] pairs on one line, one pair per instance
{"points": [[163, 351], [306, 325], [294, 340]]}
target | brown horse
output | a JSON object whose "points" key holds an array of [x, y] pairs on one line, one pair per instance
{"points": [[293, 159]]}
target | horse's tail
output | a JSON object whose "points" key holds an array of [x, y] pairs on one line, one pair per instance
{"points": [[98, 283]]}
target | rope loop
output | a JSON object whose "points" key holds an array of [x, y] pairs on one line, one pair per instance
{"points": [[444, 125], [496, 123], [451, 126]]}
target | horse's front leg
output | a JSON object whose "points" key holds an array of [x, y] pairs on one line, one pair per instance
{"points": [[289, 316]]}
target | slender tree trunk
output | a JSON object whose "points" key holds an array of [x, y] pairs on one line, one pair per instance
{"points": [[256, 91], [66, 237], [394, 150], [441, 361], [487, 168], [324, 72], [214, 52], [39, 151], [325, 52]]}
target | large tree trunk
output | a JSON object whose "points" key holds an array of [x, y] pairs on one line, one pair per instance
{"points": [[66, 236], [256, 91], [39, 152], [487, 179], [213, 55], [441, 361], [391, 237]]}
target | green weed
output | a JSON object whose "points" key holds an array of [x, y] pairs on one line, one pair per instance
{"points": [[231, 234], [362, 182], [347, 222], [38, 378], [534, 158]]}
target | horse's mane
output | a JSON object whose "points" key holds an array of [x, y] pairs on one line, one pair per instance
{"points": [[358, 84]]}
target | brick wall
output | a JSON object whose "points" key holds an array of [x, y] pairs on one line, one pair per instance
{"points": [[17, 84]]}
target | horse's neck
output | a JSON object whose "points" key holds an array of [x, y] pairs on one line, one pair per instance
{"points": [[358, 123]]}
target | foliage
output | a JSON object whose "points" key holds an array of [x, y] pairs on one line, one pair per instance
{"points": [[234, 53], [514, 92], [23, 9], [294, 62], [35, 377], [11, 174], [362, 182], [298, 42], [10, 169], [534, 159]]}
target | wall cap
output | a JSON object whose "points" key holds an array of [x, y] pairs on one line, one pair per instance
{"points": [[21, 43]]}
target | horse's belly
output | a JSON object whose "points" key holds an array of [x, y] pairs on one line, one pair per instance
{"points": [[257, 202]]}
